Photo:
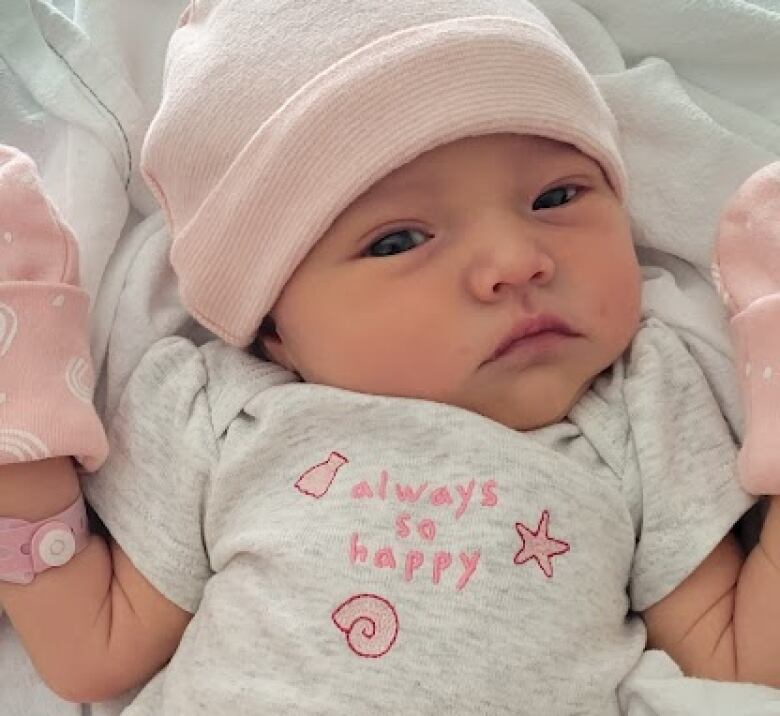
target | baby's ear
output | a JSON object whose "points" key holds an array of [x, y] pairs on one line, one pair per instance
{"points": [[268, 344]]}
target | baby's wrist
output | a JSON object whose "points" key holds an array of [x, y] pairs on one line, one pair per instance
{"points": [[33, 491]]}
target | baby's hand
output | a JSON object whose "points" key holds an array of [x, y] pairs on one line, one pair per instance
{"points": [[747, 272], [46, 378]]}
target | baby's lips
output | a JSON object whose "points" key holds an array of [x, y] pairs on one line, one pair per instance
{"points": [[747, 252], [35, 243]]}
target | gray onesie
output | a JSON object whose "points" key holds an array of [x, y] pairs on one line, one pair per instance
{"points": [[356, 554]]}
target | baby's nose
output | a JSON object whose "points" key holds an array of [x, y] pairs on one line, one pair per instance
{"points": [[513, 259]]}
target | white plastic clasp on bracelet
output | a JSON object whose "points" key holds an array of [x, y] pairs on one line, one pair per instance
{"points": [[29, 548]]}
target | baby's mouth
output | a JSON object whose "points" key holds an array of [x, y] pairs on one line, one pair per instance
{"points": [[533, 334]]}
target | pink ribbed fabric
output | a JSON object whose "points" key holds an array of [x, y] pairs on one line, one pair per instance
{"points": [[275, 116], [46, 377], [747, 271]]}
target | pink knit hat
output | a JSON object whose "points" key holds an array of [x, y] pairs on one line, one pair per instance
{"points": [[277, 114]]}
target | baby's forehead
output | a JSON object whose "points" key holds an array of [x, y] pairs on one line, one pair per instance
{"points": [[515, 155]]}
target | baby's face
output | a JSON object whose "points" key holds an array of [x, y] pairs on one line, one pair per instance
{"points": [[422, 279]]}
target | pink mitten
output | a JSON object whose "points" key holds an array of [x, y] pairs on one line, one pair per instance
{"points": [[46, 378], [747, 271]]}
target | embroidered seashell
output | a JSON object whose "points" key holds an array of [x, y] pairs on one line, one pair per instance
{"points": [[369, 623]]}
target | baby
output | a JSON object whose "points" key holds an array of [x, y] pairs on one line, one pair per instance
{"points": [[465, 475]]}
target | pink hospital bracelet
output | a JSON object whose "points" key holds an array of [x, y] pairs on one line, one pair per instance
{"points": [[29, 548]]}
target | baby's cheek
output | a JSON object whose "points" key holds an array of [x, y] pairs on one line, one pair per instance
{"points": [[618, 302], [372, 359], [420, 366], [625, 306]]}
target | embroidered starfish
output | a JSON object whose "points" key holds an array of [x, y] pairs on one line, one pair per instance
{"points": [[539, 545]]}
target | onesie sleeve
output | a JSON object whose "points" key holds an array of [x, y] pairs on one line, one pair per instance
{"points": [[683, 456], [151, 491]]}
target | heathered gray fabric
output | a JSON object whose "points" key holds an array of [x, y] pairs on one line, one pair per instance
{"points": [[208, 445]]}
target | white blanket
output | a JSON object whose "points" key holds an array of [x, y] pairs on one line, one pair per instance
{"points": [[695, 86]]}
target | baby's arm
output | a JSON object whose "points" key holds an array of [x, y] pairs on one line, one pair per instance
{"points": [[724, 620], [94, 627]]}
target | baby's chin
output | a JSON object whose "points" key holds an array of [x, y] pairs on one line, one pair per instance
{"points": [[533, 417], [534, 412]]}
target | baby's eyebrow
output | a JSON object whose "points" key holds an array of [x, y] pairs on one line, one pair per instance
{"points": [[400, 189]]}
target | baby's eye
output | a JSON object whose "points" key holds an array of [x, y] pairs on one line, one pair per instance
{"points": [[553, 198], [397, 242]]}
